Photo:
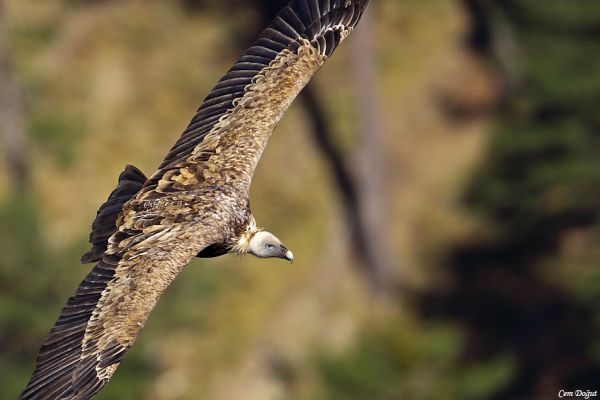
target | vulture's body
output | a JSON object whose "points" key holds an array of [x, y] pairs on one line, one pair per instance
{"points": [[195, 204]]}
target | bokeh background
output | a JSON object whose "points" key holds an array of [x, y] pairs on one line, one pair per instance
{"points": [[439, 183]]}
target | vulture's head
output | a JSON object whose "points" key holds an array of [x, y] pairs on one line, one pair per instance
{"points": [[264, 244]]}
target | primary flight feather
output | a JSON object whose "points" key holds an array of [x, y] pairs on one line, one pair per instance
{"points": [[195, 204]]}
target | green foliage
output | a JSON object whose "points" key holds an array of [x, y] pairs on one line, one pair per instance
{"points": [[559, 13], [545, 151], [540, 183], [33, 37], [26, 310], [397, 361]]}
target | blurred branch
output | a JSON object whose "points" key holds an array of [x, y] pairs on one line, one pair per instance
{"points": [[11, 114], [349, 195], [479, 37], [492, 39]]}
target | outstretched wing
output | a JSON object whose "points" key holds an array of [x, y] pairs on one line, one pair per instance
{"points": [[230, 130], [100, 323]]}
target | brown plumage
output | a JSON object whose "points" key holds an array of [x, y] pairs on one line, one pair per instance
{"points": [[196, 203]]}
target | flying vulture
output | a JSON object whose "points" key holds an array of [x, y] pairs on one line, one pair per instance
{"points": [[195, 204]]}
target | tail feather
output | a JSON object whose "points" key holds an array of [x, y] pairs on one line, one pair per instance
{"points": [[131, 181]]}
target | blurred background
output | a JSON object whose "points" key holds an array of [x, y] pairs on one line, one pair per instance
{"points": [[438, 182]]}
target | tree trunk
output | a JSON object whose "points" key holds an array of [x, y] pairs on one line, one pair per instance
{"points": [[371, 159], [11, 115]]}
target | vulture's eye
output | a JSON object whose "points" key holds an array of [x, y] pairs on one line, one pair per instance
{"points": [[269, 246]]}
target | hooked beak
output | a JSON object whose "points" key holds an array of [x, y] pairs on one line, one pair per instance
{"points": [[286, 254]]}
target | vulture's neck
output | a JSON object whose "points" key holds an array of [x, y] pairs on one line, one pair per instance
{"points": [[241, 243]]}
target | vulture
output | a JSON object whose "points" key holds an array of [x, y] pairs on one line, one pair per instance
{"points": [[195, 204]]}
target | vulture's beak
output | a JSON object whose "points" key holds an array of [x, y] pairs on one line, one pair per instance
{"points": [[286, 254]]}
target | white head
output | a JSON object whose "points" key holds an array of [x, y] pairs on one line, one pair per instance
{"points": [[265, 245]]}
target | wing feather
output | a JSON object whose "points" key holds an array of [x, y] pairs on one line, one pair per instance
{"points": [[94, 331], [61, 350], [321, 23]]}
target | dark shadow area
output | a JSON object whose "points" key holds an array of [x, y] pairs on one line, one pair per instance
{"points": [[539, 184]]}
